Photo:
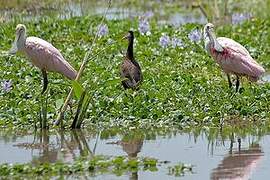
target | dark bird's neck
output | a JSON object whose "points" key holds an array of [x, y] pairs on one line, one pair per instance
{"points": [[130, 50]]}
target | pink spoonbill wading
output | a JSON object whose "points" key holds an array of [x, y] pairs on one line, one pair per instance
{"points": [[231, 56], [42, 55]]}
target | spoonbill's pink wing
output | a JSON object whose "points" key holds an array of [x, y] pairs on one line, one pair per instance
{"points": [[227, 42], [236, 59], [45, 56]]}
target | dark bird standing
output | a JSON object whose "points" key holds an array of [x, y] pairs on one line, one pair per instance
{"points": [[130, 69]]}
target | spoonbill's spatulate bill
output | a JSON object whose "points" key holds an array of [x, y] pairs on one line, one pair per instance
{"points": [[232, 57], [42, 54], [130, 69]]}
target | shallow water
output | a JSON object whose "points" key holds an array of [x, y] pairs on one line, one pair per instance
{"points": [[266, 77], [118, 10], [213, 158]]}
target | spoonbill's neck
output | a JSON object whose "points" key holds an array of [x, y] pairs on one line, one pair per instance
{"points": [[213, 41], [206, 40], [21, 40]]}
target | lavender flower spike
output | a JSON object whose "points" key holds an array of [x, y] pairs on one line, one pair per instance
{"points": [[164, 41], [176, 42], [103, 30], [144, 26], [238, 18], [6, 85], [195, 35]]}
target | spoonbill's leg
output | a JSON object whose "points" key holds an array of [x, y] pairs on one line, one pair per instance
{"points": [[229, 80], [237, 83], [45, 80]]}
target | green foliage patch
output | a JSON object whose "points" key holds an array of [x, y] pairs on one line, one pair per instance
{"points": [[182, 86]]}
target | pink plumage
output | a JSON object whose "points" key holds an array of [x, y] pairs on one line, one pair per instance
{"points": [[235, 59], [232, 57], [46, 57], [42, 54]]}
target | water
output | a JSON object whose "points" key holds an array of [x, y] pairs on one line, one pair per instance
{"points": [[164, 12], [266, 77], [213, 157]]}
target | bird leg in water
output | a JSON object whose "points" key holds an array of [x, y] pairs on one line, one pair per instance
{"points": [[45, 81], [229, 80], [237, 83]]}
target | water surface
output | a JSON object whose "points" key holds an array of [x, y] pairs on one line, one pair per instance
{"points": [[213, 157]]}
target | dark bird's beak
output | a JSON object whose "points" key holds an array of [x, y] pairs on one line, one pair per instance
{"points": [[125, 37]]}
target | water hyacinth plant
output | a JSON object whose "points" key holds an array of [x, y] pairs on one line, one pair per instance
{"points": [[6, 85], [238, 18], [150, 105], [144, 26], [164, 41], [103, 30], [148, 14], [195, 35], [176, 42]]}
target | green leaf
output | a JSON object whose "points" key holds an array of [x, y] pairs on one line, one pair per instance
{"points": [[59, 103], [78, 89]]}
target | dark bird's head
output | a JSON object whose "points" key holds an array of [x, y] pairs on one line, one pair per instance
{"points": [[129, 36]]}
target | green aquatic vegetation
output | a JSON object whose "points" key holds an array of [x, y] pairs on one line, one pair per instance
{"points": [[179, 169], [97, 165], [182, 86]]}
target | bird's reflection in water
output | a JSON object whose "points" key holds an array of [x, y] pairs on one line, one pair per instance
{"points": [[238, 164], [132, 145], [64, 147]]}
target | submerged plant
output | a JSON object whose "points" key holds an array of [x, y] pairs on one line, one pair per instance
{"points": [[98, 164], [179, 169]]}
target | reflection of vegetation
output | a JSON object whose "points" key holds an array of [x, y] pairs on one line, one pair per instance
{"points": [[59, 147], [71, 142]]}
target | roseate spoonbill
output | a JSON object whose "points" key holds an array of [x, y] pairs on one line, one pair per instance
{"points": [[232, 57], [42, 54], [130, 69]]}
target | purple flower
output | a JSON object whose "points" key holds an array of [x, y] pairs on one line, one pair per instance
{"points": [[103, 30], [164, 41], [176, 42], [195, 35], [6, 85], [144, 26], [238, 18], [148, 14]]}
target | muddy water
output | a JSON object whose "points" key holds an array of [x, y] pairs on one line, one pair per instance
{"points": [[213, 157]]}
